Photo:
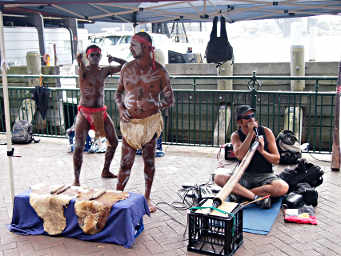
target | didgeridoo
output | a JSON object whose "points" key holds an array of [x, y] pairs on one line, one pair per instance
{"points": [[237, 174]]}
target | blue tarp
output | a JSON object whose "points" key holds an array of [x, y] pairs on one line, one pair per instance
{"points": [[147, 11]]}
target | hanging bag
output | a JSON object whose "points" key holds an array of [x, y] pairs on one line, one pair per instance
{"points": [[218, 49]]}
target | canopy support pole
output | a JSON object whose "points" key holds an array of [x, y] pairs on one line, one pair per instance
{"points": [[336, 150], [6, 104]]}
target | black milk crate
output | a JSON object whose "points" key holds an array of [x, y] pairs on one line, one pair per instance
{"points": [[215, 235]]}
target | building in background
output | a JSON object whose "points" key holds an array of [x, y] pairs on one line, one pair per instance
{"points": [[20, 40]]}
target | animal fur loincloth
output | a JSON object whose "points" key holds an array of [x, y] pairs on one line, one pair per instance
{"points": [[138, 132], [51, 209]]}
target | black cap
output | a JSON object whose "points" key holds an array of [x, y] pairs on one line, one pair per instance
{"points": [[242, 109]]}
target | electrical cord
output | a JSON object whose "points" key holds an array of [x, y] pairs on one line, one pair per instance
{"points": [[194, 195], [168, 213], [317, 159], [189, 196]]}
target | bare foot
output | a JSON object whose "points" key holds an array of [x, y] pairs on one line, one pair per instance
{"points": [[152, 208], [108, 175], [76, 183]]}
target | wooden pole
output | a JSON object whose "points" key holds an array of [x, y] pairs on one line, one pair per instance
{"points": [[237, 174], [335, 166]]}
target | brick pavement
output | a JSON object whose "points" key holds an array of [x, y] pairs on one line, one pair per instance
{"points": [[48, 162]]}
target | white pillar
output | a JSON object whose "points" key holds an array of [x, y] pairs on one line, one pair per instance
{"points": [[293, 119], [293, 116], [225, 70], [297, 67], [224, 115], [222, 124], [33, 67]]}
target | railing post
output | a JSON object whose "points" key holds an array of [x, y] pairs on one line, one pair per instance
{"points": [[316, 86], [254, 85], [254, 98]]}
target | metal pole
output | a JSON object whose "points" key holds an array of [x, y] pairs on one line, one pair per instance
{"points": [[6, 104]]}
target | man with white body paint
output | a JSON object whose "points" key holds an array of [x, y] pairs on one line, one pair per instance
{"points": [[142, 81], [92, 112]]}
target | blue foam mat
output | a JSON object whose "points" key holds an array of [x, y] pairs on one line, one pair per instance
{"points": [[259, 221]]}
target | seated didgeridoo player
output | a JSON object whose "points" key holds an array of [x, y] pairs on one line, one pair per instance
{"points": [[141, 84], [258, 179], [92, 111]]}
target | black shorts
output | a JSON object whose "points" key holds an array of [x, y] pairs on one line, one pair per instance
{"points": [[250, 181]]}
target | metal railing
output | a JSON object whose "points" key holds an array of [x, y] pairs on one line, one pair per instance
{"points": [[199, 116]]}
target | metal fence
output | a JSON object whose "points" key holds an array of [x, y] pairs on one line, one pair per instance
{"points": [[207, 117], [199, 117]]}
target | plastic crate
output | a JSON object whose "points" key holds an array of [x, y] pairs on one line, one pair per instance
{"points": [[215, 235]]}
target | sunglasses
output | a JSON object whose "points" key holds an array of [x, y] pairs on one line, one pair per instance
{"points": [[247, 117], [95, 54]]}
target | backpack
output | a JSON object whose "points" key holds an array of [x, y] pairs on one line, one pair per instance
{"points": [[310, 195], [218, 49], [22, 132], [289, 147], [304, 172]]}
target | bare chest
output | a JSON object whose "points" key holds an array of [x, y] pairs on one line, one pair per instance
{"points": [[92, 86], [142, 81], [92, 78]]}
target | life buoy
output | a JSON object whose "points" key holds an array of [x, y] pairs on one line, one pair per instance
{"points": [[46, 59]]}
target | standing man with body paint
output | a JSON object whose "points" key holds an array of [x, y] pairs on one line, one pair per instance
{"points": [[92, 111], [138, 98]]}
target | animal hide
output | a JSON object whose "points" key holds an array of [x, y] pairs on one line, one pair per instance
{"points": [[93, 215], [51, 209], [49, 202]]}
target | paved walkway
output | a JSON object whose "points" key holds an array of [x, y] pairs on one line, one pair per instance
{"points": [[49, 162]]}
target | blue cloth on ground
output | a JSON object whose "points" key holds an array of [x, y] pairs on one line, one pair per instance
{"points": [[259, 221], [124, 224]]}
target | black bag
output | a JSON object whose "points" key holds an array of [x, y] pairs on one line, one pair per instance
{"points": [[293, 201], [303, 172], [309, 194], [22, 132], [218, 49], [289, 147], [41, 97]]}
